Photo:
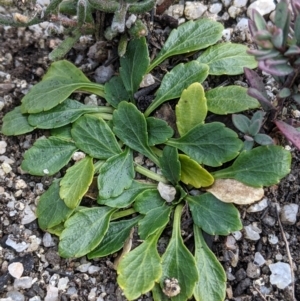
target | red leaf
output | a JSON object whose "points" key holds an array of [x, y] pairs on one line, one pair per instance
{"points": [[289, 132]]}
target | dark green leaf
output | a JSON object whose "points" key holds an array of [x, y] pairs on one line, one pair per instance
{"points": [[134, 64], [84, 231], [63, 133], [214, 216], [147, 200], [241, 122], [190, 36], [115, 91], [178, 79], [211, 285], [48, 156], [93, 136], [116, 174], [261, 166], [114, 238], [15, 123], [51, 209], [158, 131], [211, 144], [170, 165]]}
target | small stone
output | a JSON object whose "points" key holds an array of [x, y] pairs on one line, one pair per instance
{"points": [[77, 156], [16, 269], [288, 214], [63, 283], [273, 239], [234, 11], [226, 2], [35, 298], [93, 269], [29, 215], [16, 296], [52, 293], [240, 3], [278, 257], [237, 235], [3, 146], [240, 275], [252, 232], [264, 7], [23, 282], [20, 184], [230, 243], [19, 247], [48, 240], [147, 81], [175, 11], [103, 74], [92, 294], [83, 268], [296, 113], [194, 10], [226, 34], [91, 100], [253, 271], [281, 274], [215, 8], [6, 167], [259, 206], [167, 192], [269, 220], [259, 259]]}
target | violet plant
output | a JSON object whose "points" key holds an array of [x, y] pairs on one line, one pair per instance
{"points": [[278, 54]]}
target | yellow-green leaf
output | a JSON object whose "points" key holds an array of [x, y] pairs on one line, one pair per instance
{"points": [[193, 173], [76, 182], [191, 108]]}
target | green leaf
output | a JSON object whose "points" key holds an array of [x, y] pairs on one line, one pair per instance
{"points": [[211, 144], [56, 230], [170, 164], [131, 127], [48, 156], [63, 132], [158, 131], [51, 209], [191, 108], [194, 174], [115, 91], [76, 182], [178, 79], [190, 36], [15, 123], [263, 139], [93, 136], [157, 294], [140, 269], [84, 231], [148, 200], [60, 81], [261, 166], [128, 196], [64, 113], [178, 262], [211, 285], [114, 238], [134, 65], [227, 58], [230, 99], [214, 216], [241, 122], [155, 219], [116, 174]]}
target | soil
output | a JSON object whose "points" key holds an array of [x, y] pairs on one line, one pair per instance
{"points": [[23, 61]]}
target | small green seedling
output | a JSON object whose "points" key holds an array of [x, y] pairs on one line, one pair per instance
{"points": [[110, 135]]}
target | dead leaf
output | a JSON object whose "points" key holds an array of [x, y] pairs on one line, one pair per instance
{"points": [[233, 191]]}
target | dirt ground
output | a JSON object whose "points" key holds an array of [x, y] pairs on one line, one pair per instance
{"points": [[23, 61]]}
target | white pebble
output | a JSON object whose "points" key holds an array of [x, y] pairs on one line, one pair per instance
{"points": [[226, 2], [252, 232], [264, 7], [273, 239], [148, 80], [63, 283], [16, 269], [226, 34], [52, 293], [83, 268], [175, 11], [240, 3], [194, 10], [77, 156], [215, 8], [92, 294], [3, 146], [93, 269], [20, 184], [35, 298], [48, 240], [23, 282], [261, 205], [234, 11], [237, 235], [19, 247], [281, 274], [167, 192], [6, 167], [259, 259], [288, 214], [29, 215]]}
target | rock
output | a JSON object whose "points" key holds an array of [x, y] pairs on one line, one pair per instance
{"points": [[230, 243], [240, 274], [194, 10], [16, 269], [35, 298], [215, 8], [234, 11], [253, 271], [240, 3], [92, 294], [147, 81], [264, 7], [23, 282], [273, 239], [63, 283], [91, 100], [252, 232], [3, 146], [19, 247], [52, 293], [29, 215], [269, 220], [16, 296], [103, 74], [288, 214], [77, 156], [242, 286], [259, 206], [93, 269], [83, 268], [20, 184], [175, 11], [48, 240], [167, 192], [281, 274], [237, 235], [259, 259], [226, 34], [6, 167], [226, 2]]}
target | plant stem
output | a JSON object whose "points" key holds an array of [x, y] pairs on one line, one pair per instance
{"points": [[176, 222], [105, 116], [122, 213], [97, 165], [150, 174]]}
